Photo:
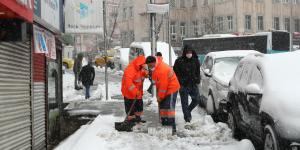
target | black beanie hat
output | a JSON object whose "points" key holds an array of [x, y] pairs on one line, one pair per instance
{"points": [[150, 59]]}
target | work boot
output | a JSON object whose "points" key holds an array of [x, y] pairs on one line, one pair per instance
{"points": [[138, 119]]}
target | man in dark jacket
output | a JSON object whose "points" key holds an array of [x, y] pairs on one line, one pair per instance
{"points": [[187, 69], [87, 76]]}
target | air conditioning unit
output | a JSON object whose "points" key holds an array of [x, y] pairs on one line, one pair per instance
{"points": [[174, 37]]}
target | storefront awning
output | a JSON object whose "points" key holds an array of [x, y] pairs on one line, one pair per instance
{"points": [[22, 9]]}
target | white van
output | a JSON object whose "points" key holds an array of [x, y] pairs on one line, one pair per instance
{"points": [[122, 58], [137, 48]]}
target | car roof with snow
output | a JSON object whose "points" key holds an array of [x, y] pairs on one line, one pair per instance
{"points": [[231, 53]]}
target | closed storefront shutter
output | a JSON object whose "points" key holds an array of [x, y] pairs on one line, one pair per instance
{"points": [[39, 102], [15, 112]]}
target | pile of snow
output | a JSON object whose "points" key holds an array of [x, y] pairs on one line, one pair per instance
{"points": [[204, 134], [70, 94]]}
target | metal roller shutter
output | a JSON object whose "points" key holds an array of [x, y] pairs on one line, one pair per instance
{"points": [[39, 102], [15, 112]]}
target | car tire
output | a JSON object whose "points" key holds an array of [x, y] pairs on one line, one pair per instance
{"points": [[210, 105], [271, 141], [211, 108], [232, 124]]}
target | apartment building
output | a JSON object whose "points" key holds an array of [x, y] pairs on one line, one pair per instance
{"points": [[194, 18]]}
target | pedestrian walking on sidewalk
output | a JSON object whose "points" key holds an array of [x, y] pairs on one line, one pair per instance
{"points": [[167, 87], [187, 69], [76, 69], [132, 88], [87, 76]]}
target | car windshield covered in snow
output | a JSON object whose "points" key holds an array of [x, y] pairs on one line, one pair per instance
{"points": [[225, 68]]}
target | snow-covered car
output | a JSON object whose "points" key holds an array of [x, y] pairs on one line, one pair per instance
{"points": [[264, 100], [216, 72]]}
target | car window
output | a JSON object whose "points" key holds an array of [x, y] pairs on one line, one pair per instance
{"points": [[245, 77], [256, 77], [208, 63], [238, 72]]}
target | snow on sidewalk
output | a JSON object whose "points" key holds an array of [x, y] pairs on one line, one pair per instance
{"points": [[206, 135]]}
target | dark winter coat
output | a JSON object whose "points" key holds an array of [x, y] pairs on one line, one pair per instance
{"points": [[87, 75], [187, 70]]}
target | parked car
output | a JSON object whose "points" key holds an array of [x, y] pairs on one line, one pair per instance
{"points": [[100, 61], [264, 100], [68, 63], [216, 72], [122, 58]]}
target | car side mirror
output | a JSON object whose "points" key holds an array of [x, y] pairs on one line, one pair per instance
{"points": [[207, 72], [253, 89]]}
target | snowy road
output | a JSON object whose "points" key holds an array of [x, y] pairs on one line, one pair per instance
{"points": [[100, 134]]}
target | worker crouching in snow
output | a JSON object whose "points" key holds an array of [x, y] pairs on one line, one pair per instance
{"points": [[132, 89], [167, 87]]}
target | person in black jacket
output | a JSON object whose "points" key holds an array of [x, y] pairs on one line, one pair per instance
{"points": [[87, 76], [187, 69]]}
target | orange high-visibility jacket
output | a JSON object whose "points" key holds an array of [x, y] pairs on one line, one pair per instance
{"points": [[133, 79], [165, 79]]}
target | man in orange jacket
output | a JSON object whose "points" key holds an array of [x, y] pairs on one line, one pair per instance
{"points": [[167, 87], [132, 88]]}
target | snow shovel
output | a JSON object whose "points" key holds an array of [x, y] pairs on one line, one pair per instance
{"points": [[126, 125], [161, 130]]}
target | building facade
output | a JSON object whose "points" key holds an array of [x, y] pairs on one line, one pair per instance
{"points": [[194, 18]]}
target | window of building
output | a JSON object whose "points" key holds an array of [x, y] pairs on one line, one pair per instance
{"points": [[205, 22], [182, 29], [194, 3], [287, 24], [172, 3], [220, 23], [260, 23], [230, 23], [276, 1], [259, 1], [173, 28], [205, 2], [124, 13], [297, 25], [182, 3], [248, 22], [285, 1], [276, 23], [131, 11], [196, 27]]}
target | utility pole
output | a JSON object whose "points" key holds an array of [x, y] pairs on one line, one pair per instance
{"points": [[105, 48], [153, 35]]}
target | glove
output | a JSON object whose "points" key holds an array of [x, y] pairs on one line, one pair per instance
{"points": [[158, 99]]}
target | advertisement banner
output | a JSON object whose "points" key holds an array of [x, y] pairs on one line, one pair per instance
{"points": [[44, 42], [50, 12], [84, 16]]}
